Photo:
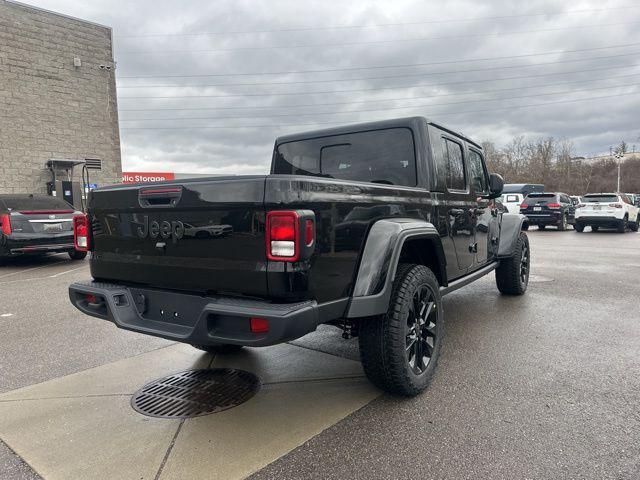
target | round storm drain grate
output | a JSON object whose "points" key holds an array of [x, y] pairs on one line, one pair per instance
{"points": [[195, 392]]}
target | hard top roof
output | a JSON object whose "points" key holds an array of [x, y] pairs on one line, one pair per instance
{"points": [[407, 122]]}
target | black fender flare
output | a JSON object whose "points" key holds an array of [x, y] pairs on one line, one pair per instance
{"points": [[379, 262], [510, 228]]}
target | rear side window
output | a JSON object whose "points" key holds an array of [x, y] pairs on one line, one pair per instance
{"points": [[476, 173], [34, 202], [454, 164], [382, 156]]}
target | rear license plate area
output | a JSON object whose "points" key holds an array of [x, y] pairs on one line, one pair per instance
{"points": [[597, 207], [168, 307], [537, 209], [52, 227]]}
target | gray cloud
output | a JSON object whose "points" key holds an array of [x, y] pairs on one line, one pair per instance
{"points": [[592, 124]]}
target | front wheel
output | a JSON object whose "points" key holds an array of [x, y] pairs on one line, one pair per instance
{"points": [[76, 255], [512, 275], [633, 226], [399, 350]]}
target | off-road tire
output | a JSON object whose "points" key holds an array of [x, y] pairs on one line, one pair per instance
{"points": [[383, 339], [221, 349], [562, 223], [76, 255], [622, 226], [578, 227], [509, 275]]}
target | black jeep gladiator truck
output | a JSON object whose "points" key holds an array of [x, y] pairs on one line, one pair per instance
{"points": [[364, 227]]}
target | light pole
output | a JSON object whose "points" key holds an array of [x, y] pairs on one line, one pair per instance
{"points": [[619, 155]]}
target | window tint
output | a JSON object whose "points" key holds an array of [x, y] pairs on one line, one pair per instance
{"points": [[476, 173], [34, 202], [455, 179], [383, 156]]}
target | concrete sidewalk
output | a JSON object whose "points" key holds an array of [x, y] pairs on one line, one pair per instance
{"points": [[82, 425]]}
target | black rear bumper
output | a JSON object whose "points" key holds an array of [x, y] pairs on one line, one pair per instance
{"points": [[200, 320], [601, 221], [551, 218], [30, 243]]}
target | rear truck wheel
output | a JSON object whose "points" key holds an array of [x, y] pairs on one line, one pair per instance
{"points": [[76, 255], [399, 350], [219, 348], [541, 227], [578, 227], [512, 275], [562, 223], [595, 228], [623, 225]]}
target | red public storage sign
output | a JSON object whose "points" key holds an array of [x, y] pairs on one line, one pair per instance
{"points": [[144, 177]]}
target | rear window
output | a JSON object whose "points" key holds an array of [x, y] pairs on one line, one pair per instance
{"points": [[33, 202], [541, 198], [600, 199], [381, 156]]}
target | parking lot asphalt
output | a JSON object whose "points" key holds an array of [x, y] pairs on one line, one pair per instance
{"points": [[540, 386]]}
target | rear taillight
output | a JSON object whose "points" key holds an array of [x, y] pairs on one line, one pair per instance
{"points": [[615, 205], [283, 236], [555, 206], [6, 224], [523, 206], [81, 233]]}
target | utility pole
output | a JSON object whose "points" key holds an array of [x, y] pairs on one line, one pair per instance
{"points": [[619, 156]]}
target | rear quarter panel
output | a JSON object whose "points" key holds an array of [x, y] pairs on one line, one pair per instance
{"points": [[344, 213]]}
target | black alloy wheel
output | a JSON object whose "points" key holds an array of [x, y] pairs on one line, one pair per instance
{"points": [[421, 329], [524, 264]]}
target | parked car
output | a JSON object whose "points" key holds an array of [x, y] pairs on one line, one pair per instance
{"points": [[36, 225], [512, 201], [607, 210], [633, 198], [513, 194], [544, 209], [436, 230]]}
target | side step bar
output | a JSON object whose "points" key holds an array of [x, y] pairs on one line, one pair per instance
{"points": [[467, 279]]}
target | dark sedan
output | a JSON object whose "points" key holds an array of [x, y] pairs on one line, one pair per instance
{"points": [[36, 224]]}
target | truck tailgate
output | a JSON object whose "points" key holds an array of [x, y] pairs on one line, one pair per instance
{"points": [[204, 235]]}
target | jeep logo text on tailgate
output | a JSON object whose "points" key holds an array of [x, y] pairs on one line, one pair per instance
{"points": [[164, 229]]}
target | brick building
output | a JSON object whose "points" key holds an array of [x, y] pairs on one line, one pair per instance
{"points": [[57, 100]]}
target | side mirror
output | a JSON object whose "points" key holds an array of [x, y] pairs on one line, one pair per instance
{"points": [[496, 183]]}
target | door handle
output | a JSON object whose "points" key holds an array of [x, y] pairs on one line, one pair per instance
{"points": [[456, 212]]}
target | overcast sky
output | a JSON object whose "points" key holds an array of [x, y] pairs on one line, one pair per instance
{"points": [[467, 65]]}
